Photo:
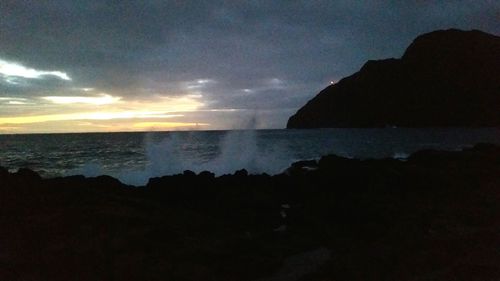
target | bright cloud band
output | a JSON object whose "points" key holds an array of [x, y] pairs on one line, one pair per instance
{"points": [[100, 100], [12, 69]]}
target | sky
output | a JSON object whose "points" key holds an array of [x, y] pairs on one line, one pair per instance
{"points": [[104, 66]]}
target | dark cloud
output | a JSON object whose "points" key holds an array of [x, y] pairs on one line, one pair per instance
{"points": [[144, 49]]}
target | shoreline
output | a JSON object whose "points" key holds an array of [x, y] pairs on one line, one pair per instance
{"points": [[435, 216]]}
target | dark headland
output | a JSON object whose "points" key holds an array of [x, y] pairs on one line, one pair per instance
{"points": [[445, 78], [435, 216]]}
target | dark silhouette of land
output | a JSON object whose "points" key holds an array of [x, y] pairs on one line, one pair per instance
{"points": [[435, 216], [445, 78]]}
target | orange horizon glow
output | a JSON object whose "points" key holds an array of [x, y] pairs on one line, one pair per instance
{"points": [[85, 116], [106, 128], [98, 112], [166, 125]]}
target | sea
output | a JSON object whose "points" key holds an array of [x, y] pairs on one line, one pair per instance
{"points": [[134, 157]]}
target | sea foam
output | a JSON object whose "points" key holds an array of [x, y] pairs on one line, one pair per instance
{"points": [[238, 149]]}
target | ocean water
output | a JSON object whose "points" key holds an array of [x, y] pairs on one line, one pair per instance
{"points": [[135, 157]]}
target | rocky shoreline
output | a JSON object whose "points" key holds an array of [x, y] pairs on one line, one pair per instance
{"points": [[435, 216]]}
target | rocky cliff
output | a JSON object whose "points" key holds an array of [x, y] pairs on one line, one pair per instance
{"points": [[445, 78]]}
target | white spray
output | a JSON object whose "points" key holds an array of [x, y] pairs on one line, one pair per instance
{"points": [[238, 149]]}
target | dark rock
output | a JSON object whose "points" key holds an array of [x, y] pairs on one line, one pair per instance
{"points": [[241, 173], [104, 181], [206, 175], [75, 178], [4, 172], [433, 217], [188, 173], [486, 148], [28, 175], [299, 265], [305, 164], [445, 78], [333, 162], [302, 167]]}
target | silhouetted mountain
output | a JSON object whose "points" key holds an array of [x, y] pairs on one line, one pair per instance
{"points": [[445, 78]]}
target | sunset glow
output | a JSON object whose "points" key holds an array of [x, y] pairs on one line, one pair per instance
{"points": [[86, 116], [166, 125], [98, 112]]}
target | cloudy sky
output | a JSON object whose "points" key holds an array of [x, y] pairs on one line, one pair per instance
{"points": [[73, 66]]}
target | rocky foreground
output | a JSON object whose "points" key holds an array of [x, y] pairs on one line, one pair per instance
{"points": [[435, 216]]}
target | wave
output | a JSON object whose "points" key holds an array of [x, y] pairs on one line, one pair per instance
{"points": [[176, 153]]}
